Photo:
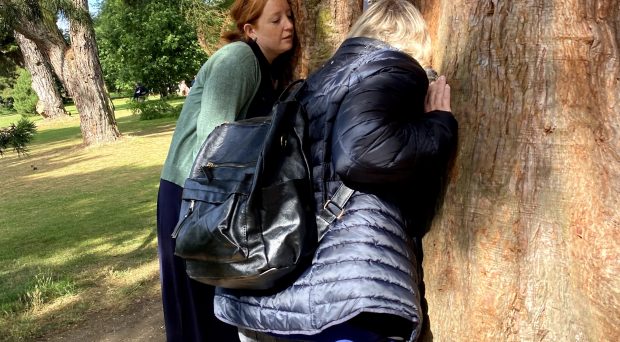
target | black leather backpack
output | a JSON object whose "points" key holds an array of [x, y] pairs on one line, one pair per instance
{"points": [[248, 212]]}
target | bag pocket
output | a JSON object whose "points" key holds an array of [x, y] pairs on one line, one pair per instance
{"points": [[205, 234], [214, 229]]}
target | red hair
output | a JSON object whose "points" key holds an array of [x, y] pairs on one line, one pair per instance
{"points": [[244, 12]]}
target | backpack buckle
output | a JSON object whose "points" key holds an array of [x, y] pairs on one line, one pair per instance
{"points": [[329, 205]]}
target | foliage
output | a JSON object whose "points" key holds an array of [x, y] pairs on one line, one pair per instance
{"points": [[210, 19], [6, 99], [23, 94], [17, 136], [148, 42], [12, 11], [6, 110], [10, 59], [154, 109]]}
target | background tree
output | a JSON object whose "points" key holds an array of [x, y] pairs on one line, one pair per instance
{"points": [[76, 65], [148, 41], [43, 82]]}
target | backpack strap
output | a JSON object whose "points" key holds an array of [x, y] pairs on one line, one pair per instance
{"points": [[291, 91], [333, 209]]}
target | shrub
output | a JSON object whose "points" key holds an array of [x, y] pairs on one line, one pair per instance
{"points": [[154, 109], [17, 136], [25, 98], [6, 110], [6, 101]]}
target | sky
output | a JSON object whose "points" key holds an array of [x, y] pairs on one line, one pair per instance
{"points": [[93, 8]]}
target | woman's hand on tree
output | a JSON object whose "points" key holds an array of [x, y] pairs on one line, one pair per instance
{"points": [[438, 96]]}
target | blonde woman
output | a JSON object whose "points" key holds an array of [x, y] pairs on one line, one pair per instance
{"points": [[377, 126]]}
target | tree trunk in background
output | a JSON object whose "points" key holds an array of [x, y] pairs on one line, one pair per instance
{"points": [[77, 66], [526, 246], [42, 79], [97, 121], [321, 26]]}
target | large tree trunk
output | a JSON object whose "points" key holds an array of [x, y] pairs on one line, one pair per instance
{"points": [[78, 68], [527, 244], [321, 26], [42, 79]]}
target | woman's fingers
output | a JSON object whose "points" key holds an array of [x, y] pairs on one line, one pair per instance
{"points": [[445, 103], [434, 90], [438, 96]]}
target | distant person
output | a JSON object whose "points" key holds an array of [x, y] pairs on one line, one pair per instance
{"points": [[183, 88], [243, 79], [376, 125], [140, 92]]}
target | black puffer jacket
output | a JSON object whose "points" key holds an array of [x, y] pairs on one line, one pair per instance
{"points": [[366, 121]]}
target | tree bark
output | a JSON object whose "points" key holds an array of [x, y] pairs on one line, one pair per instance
{"points": [[321, 26], [78, 68], [42, 79], [97, 121], [526, 246]]}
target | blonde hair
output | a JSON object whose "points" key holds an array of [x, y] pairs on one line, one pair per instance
{"points": [[398, 23]]}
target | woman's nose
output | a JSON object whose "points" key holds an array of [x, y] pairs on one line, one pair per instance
{"points": [[288, 24]]}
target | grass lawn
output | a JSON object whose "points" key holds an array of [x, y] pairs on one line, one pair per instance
{"points": [[77, 225]]}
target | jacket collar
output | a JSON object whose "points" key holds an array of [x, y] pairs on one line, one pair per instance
{"points": [[359, 45]]}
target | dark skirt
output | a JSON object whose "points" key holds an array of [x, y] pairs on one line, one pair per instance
{"points": [[187, 304]]}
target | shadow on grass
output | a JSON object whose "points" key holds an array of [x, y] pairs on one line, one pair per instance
{"points": [[101, 220], [53, 159], [120, 200], [131, 125], [57, 135], [123, 106], [76, 227], [128, 124]]}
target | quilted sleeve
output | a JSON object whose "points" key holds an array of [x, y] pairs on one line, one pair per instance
{"points": [[380, 134]]}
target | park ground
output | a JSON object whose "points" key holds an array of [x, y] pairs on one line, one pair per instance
{"points": [[142, 322], [77, 226]]}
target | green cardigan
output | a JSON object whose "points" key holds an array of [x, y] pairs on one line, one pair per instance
{"points": [[224, 87]]}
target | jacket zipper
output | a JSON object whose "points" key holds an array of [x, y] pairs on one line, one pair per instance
{"points": [[177, 229]]}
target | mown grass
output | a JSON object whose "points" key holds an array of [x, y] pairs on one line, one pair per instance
{"points": [[77, 224]]}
